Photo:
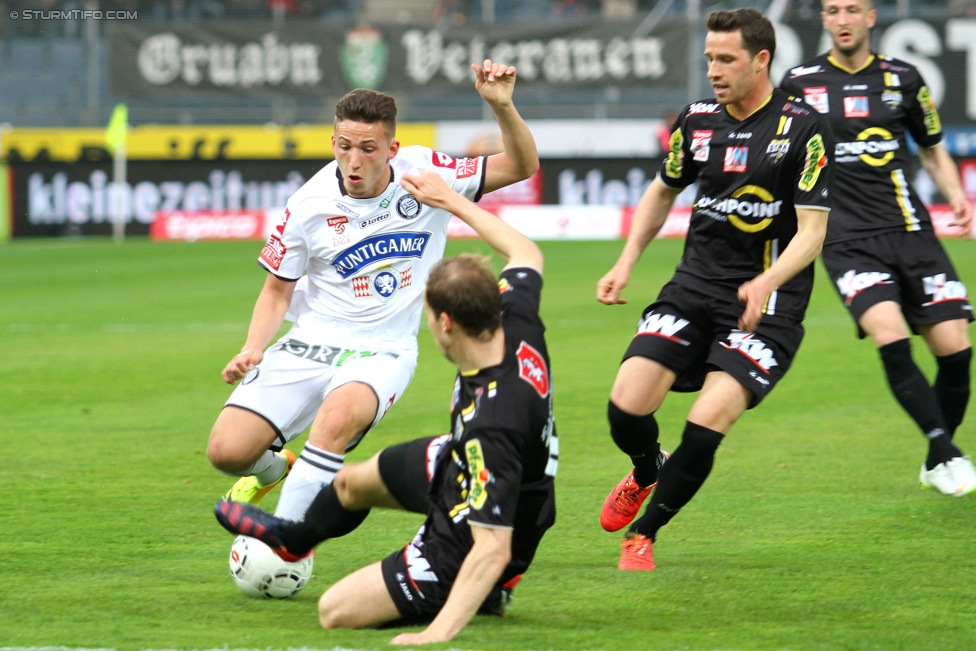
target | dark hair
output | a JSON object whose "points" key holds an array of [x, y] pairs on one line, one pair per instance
{"points": [[466, 290], [757, 32], [368, 106]]}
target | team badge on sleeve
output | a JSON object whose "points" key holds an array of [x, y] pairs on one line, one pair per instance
{"points": [[274, 252], [467, 167], [933, 124], [816, 160], [443, 160], [480, 476], [532, 368]]}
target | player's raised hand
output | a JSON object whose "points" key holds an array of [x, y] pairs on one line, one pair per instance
{"points": [[494, 82], [241, 365], [609, 287], [429, 188]]}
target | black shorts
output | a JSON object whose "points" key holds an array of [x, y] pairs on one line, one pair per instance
{"points": [[418, 583], [911, 269], [406, 469], [692, 332], [419, 580]]}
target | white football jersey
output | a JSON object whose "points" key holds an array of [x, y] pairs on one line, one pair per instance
{"points": [[366, 260]]}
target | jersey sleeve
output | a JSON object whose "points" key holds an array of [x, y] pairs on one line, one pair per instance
{"points": [[521, 289], [285, 254], [921, 116], [813, 167], [495, 466], [679, 171], [465, 175]]}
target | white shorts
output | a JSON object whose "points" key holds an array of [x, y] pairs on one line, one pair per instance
{"points": [[288, 386]]}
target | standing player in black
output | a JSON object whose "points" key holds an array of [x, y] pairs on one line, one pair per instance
{"points": [[881, 250], [487, 488], [757, 226]]}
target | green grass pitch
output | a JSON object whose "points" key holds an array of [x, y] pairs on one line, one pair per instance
{"points": [[811, 532]]}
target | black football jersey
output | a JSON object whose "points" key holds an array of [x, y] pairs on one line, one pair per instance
{"points": [[499, 467], [871, 110], [752, 174]]}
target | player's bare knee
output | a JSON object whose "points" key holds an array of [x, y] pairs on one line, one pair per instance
{"points": [[220, 454], [329, 612]]}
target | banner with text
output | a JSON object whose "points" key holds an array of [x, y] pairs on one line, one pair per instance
{"points": [[326, 60]]}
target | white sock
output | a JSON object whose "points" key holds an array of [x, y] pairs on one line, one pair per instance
{"points": [[268, 468], [314, 470]]}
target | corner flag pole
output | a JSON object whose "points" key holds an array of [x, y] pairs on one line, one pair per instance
{"points": [[115, 136]]}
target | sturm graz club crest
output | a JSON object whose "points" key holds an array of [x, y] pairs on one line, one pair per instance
{"points": [[408, 207], [364, 58]]}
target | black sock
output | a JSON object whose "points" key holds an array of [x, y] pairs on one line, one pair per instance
{"points": [[913, 393], [325, 518], [680, 478], [637, 437], [952, 387]]}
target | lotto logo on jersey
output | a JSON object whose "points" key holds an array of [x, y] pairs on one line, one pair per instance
{"points": [[856, 107], [273, 252], [736, 159], [662, 325], [852, 283], [282, 222], [816, 97], [442, 160], [532, 368], [752, 347], [942, 290], [467, 167], [338, 224]]}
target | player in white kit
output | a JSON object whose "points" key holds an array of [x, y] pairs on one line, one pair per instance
{"points": [[347, 264]]}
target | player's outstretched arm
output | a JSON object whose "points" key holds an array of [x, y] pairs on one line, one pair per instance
{"points": [[940, 166], [517, 249], [802, 250], [649, 216], [480, 571], [520, 159], [269, 314]]}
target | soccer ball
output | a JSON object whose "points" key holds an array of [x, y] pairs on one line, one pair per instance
{"points": [[261, 573]]}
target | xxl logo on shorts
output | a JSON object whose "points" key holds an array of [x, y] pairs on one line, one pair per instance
{"points": [[851, 284], [380, 247], [532, 368], [753, 348], [417, 565], [662, 325], [942, 290]]}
